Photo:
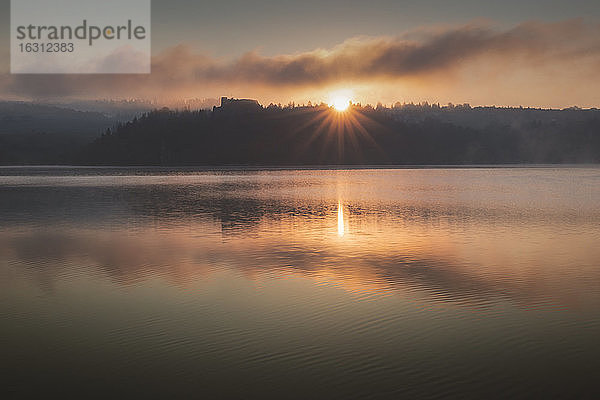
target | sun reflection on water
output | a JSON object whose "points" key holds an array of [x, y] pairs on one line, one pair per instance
{"points": [[340, 218]]}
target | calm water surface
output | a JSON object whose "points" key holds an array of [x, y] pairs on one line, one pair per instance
{"points": [[407, 283]]}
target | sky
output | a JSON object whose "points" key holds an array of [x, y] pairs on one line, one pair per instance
{"points": [[531, 53]]}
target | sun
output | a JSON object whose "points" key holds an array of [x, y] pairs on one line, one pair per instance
{"points": [[340, 100], [341, 103]]}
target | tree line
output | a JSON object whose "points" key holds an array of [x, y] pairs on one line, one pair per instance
{"points": [[319, 135]]}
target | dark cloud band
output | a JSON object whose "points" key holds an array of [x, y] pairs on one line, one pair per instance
{"points": [[179, 69]]}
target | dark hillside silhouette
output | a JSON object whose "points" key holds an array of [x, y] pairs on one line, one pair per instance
{"points": [[241, 132], [33, 133]]}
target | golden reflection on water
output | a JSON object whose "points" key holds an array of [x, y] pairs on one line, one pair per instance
{"points": [[240, 272], [461, 237], [340, 219], [466, 264]]}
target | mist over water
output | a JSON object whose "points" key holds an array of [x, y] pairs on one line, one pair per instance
{"points": [[437, 283]]}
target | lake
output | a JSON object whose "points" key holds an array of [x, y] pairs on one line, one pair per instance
{"points": [[329, 284]]}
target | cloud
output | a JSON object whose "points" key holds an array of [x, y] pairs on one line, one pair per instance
{"points": [[179, 70], [124, 58]]}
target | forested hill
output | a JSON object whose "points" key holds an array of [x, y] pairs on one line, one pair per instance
{"points": [[33, 133], [318, 135]]}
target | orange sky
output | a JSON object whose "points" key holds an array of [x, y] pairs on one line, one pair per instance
{"points": [[507, 56]]}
